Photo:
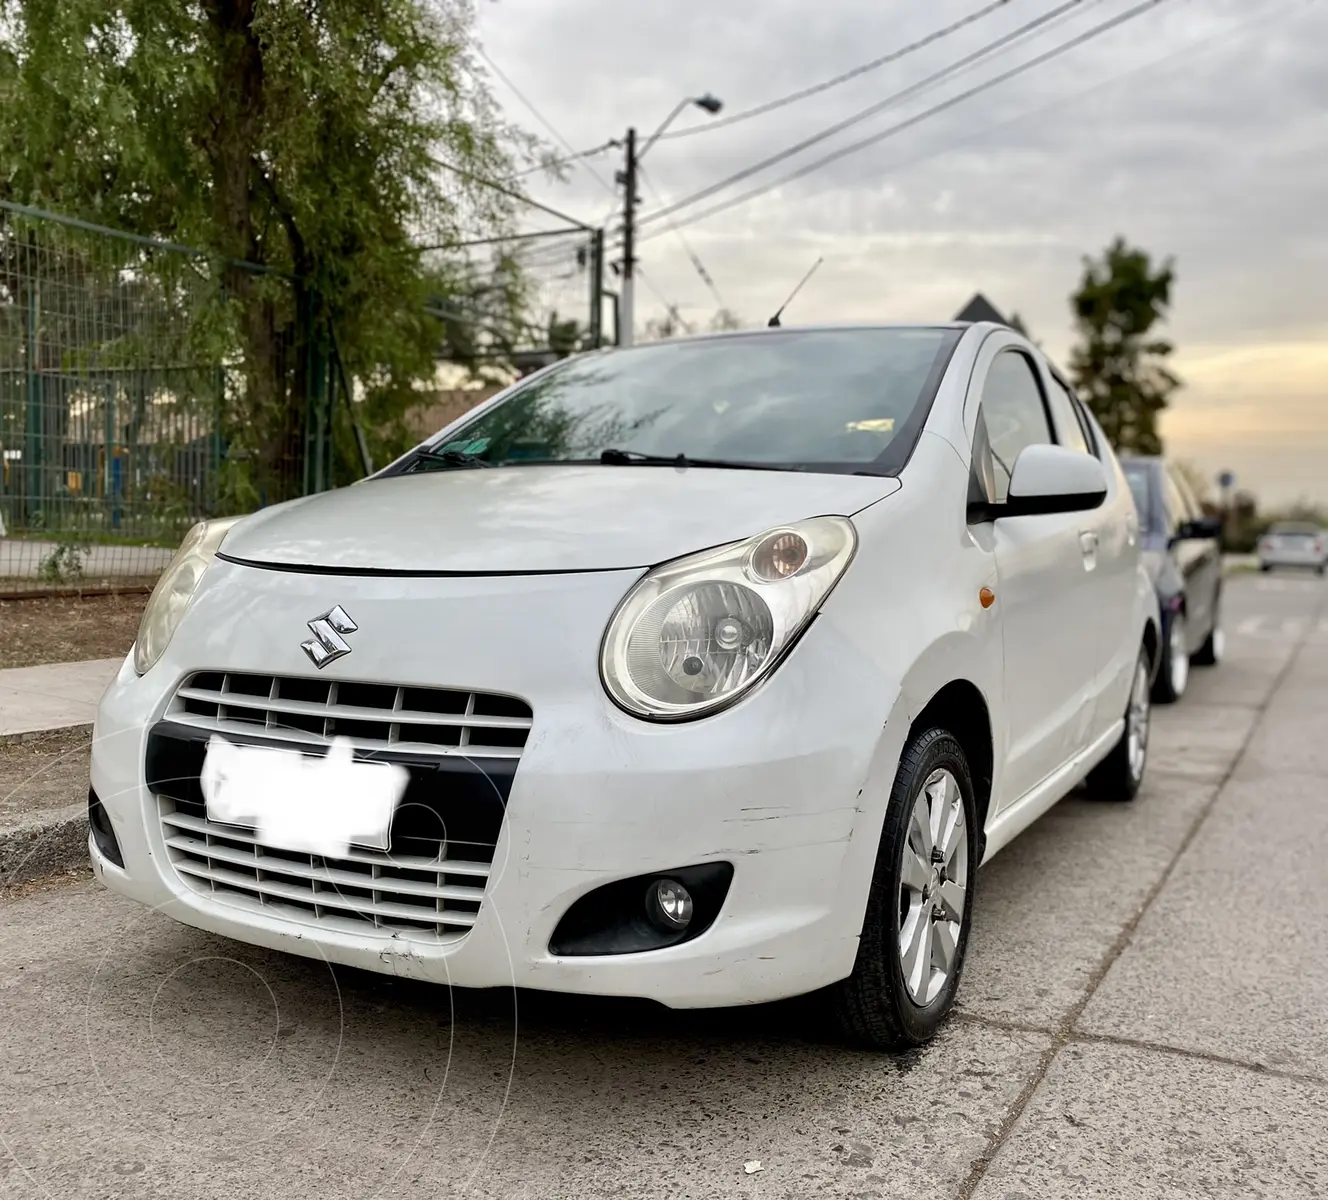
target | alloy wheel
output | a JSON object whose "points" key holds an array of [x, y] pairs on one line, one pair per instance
{"points": [[933, 884], [1136, 722], [1178, 656]]}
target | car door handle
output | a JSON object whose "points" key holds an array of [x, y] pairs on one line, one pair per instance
{"points": [[1088, 544]]}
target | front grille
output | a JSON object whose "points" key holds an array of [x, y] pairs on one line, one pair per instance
{"points": [[373, 716], [460, 750], [432, 897]]}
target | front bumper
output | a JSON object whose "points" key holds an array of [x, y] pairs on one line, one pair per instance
{"points": [[773, 786]]}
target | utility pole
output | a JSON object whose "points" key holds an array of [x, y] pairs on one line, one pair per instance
{"points": [[595, 333], [626, 307], [627, 177]]}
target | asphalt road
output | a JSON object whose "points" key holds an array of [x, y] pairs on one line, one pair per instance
{"points": [[1145, 1013]]}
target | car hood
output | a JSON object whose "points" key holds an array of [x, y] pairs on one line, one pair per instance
{"points": [[538, 519]]}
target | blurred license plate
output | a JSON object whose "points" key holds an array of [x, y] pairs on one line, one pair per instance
{"points": [[315, 805]]}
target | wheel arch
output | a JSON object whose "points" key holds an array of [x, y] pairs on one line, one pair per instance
{"points": [[1152, 644], [960, 708]]}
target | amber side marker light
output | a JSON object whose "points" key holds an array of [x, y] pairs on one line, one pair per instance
{"points": [[987, 597]]}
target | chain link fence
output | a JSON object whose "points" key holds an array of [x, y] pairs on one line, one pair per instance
{"points": [[145, 386], [134, 400]]}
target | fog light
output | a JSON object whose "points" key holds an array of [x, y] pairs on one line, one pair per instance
{"points": [[669, 904]]}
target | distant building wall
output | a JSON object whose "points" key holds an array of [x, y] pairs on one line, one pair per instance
{"points": [[446, 406]]}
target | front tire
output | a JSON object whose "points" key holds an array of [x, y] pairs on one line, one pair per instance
{"points": [[1214, 647], [1119, 776], [915, 931], [1173, 672]]}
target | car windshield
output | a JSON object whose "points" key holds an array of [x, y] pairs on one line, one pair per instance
{"points": [[1294, 529], [802, 400], [1141, 484]]}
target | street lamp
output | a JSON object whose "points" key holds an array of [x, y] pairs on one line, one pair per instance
{"points": [[707, 103], [627, 309]]}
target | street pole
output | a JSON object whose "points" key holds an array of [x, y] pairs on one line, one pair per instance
{"points": [[596, 329], [626, 308]]}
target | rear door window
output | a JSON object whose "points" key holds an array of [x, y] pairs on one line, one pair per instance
{"points": [[1141, 488], [1067, 419], [1177, 510]]}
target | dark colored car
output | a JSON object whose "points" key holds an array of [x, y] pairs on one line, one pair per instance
{"points": [[1183, 552]]}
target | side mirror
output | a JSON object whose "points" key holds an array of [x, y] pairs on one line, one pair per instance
{"points": [[1052, 479], [1201, 529]]}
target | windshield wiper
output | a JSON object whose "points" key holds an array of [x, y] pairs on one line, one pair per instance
{"points": [[453, 458], [614, 457]]}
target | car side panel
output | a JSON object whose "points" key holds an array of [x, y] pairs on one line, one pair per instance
{"points": [[1115, 607], [1198, 560], [1109, 598], [1130, 602], [922, 631], [1045, 580]]}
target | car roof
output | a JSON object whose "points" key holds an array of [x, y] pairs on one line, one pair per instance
{"points": [[766, 330], [826, 327]]}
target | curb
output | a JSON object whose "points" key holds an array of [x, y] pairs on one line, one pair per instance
{"points": [[47, 845], [28, 735], [9, 590]]}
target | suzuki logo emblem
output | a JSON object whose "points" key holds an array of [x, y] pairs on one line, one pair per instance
{"points": [[327, 644]]}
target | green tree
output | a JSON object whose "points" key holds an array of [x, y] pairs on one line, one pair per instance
{"points": [[319, 142], [565, 337], [1119, 365], [725, 320]]}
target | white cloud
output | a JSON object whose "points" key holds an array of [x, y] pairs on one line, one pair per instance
{"points": [[1213, 155]]}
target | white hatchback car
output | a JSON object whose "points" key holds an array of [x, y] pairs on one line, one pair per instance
{"points": [[710, 672], [1294, 544]]}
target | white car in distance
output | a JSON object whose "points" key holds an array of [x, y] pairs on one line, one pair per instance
{"points": [[1294, 544], [711, 671]]}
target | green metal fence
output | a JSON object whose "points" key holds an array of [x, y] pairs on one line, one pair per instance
{"points": [[145, 386], [134, 400]]}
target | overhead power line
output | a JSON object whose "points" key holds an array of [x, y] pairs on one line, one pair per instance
{"points": [[858, 117], [686, 245], [504, 189], [863, 143], [568, 159], [760, 110], [1189, 50], [577, 156]]}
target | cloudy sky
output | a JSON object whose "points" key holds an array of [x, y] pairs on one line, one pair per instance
{"points": [[1199, 130]]}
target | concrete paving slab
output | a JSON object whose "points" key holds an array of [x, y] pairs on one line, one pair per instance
{"points": [[139, 1057], [1232, 958], [1197, 740], [57, 696], [1052, 903], [1113, 1121]]}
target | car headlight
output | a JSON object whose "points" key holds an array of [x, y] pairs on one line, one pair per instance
{"points": [[176, 587], [695, 634]]}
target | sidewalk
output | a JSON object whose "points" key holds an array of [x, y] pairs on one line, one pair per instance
{"points": [[46, 714], [58, 696]]}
